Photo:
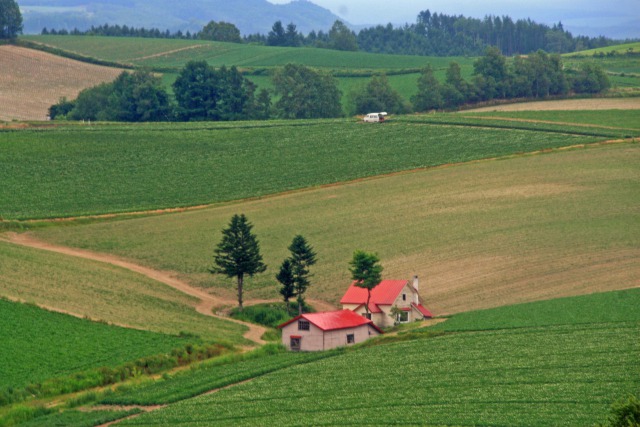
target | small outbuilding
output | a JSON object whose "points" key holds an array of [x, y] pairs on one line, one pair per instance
{"points": [[327, 330]]}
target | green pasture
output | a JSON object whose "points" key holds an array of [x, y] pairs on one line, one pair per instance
{"points": [[625, 120], [607, 307], [38, 345], [100, 291], [619, 49], [480, 235], [76, 418], [209, 376], [174, 54], [564, 374], [85, 170]]}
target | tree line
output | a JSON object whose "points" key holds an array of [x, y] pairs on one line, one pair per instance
{"points": [[204, 93], [433, 34]]}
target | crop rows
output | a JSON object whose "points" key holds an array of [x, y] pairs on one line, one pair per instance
{"points": [[72, 171], [209, 377], [38, 345], [173, 54], [605, 307], [73, 418], [538, 376]]}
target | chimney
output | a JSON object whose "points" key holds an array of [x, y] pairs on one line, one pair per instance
{"points": [[417, 288]]}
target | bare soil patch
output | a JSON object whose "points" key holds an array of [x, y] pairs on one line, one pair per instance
{"points": [[31, 81], [567, 104]]}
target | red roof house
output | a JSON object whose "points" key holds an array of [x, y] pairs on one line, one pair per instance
{"points": [[386, 295], [327, 330]]}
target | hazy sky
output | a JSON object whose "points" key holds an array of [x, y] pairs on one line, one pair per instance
{"points": [[578, 16]]}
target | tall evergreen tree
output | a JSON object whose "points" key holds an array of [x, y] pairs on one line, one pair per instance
{"points": [[238, 253], [286, 279], [302, 258]]}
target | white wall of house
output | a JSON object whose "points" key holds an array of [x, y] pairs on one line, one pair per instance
{"points": [[315, 339]]}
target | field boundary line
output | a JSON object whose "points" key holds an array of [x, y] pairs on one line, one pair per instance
{"points": [[204, 307], [162, 211], [548, 122], [168, 52]]}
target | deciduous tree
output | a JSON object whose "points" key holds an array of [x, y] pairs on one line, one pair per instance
{"points": [[428, 96], [306, 93], [366, 271], [221, 32], [238, 253], [342, 38], [10, 19], [378, 95]]}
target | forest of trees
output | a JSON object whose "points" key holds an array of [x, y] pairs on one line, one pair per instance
{"points": [[433, 34], [202, 92]]}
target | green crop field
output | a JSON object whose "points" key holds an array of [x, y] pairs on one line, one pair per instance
{"points": [[173, 54], [100, 291], [38, 345], [481, 235], [565, 373], [79, 418], [618, 49], [209, 377], [625, 120], [84, 170]]}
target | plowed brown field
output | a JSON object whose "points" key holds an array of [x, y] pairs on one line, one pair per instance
{"points": [[31, 81]]}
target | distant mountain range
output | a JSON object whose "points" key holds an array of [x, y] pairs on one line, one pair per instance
{"points": [[250, 16]]}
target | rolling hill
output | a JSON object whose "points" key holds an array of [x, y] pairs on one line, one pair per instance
{"points": [[250, 16]]}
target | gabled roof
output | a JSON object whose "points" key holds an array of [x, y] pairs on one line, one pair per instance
{"points": [[333, 320], [422, 309], [385, 293]]}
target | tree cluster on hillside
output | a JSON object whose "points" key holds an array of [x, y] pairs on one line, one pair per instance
{"points": [[433, 34], [204, 93], [107, 30], [10, 19], [538, 75]]}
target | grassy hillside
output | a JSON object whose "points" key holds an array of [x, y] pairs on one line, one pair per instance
{"points": [[81, 170], [173, 54], [564, 373], [479, 235], [38, 345], [619, 49], [628, 120], [99, 291]]}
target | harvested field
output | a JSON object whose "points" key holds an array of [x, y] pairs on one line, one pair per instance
{"points": [[31, 81], [568, 104]]}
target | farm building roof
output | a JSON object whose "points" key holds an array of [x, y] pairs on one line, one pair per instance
{"points": [[422, 309], [332, 320], [385, 293]]}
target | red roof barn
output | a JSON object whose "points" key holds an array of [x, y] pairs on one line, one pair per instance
{"points": [[327, 330]]}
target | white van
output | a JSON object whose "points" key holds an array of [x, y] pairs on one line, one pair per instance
{"points": [[374, 117]]}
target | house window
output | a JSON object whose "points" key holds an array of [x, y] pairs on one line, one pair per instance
{"points": [[403, 317], [404, 297], [351, 338], [303, 325], [295, 343], [367, 315]]}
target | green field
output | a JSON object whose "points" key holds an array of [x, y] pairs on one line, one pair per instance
{"points": [[38, 345], [565, 373], [628, 121], [101, 291], [209, 377], [76, 170], [173, 54], [481, 235]]}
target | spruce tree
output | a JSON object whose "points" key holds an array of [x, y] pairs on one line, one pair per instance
{"points": [[302, 257], [238, 254]]}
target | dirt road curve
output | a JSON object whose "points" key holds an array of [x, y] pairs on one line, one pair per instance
{"points": [[207, 301]]}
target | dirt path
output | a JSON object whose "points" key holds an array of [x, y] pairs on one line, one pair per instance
{"points": [[207, 301], [168, 52], [566, 104]]}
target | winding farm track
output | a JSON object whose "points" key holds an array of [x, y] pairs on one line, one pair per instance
{"points": [[207, 301]]}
